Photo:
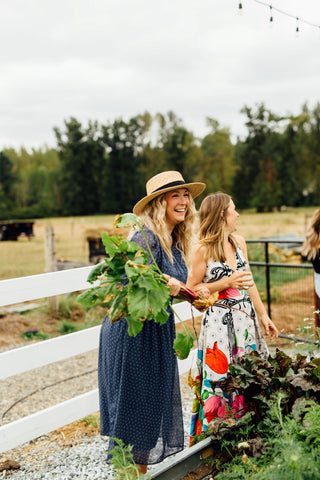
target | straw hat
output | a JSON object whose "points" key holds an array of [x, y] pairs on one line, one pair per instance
{"points": [[164, 182]]}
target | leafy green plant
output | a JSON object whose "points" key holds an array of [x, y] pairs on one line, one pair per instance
{"points": [[66, 327], [279, 439], [68, 305], [93, 420], [122, 461], [34, 335], [131, 288]]}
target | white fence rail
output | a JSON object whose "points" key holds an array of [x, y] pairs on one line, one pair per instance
{"points": [[26, 358]]}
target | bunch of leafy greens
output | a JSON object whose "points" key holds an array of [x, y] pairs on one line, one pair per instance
{"points": [[279, 439], [130, 288], [122, 461]]}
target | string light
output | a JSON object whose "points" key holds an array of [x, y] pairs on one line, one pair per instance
{"points": [[272, 9], [271, 17]]}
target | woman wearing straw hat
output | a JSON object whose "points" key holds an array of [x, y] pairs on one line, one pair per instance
{"points": [[138, 376]]}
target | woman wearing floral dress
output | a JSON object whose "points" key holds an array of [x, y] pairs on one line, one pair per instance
{"points": [[230, 327], [311, 252]]}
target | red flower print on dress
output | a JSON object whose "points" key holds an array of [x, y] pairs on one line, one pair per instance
{"points": [[198, 428], [223, 410], [211, 406], [216, 359], [238, 352]]}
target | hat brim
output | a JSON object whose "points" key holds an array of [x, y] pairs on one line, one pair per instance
{"points": [[194, 188]]}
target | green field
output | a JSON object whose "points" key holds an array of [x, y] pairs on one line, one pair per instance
{"points": [[26, 257]]}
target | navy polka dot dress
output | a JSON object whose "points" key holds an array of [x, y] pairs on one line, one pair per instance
{"points": [[138, 377]]}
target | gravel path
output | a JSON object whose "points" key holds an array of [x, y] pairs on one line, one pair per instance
{"points": [[47, 457]]}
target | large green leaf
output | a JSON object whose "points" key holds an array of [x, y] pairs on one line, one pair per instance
{"points": [[141, 256], [126, 219], [127, 247], [142, 303], [97, 271], [93, 295], [183, 344], [135, 270], [118, 308], [147, 297], [109, 243], [134, 326], [162, 316]]}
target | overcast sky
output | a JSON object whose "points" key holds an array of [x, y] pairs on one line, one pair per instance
{"points": [[105, 59]]}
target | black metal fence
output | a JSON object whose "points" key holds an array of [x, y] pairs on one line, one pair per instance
{"points": [[281, 277]]}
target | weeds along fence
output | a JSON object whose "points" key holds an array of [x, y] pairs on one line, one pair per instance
{"points": [[280, 276], [19, 360]]}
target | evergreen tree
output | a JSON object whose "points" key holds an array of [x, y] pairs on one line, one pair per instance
{"points": [[125, 143], [178, 145], [265, 191], [216, 166], [252, 154], [292, 168], [82, 156]]}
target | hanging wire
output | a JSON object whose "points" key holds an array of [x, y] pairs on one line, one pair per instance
{"points": [[298, 19]]}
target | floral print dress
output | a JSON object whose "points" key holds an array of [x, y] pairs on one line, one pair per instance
{"points": [[229, 329]]}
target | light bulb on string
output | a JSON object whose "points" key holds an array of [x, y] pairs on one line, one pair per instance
{"points": [[271, 17], [240, 9], [297, 27]]}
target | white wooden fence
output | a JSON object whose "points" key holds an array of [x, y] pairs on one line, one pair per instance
{"points": [[26, 358]]}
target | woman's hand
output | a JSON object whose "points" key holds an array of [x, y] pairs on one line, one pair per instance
{"points": [[241, 280], [174, 285], [203, 292], [270, 330]]}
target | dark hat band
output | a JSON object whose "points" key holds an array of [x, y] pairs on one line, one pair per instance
{"points": [[168, 185]]}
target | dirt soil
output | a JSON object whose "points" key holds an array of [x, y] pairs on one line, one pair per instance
{"points": [[13, 325]]}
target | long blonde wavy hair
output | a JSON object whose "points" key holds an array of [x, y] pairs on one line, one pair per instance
{"points": [[154, 218], [312, 242], [212, 214]]}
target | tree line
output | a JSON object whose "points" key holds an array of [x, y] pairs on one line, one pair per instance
{"points": [[99, 169]]}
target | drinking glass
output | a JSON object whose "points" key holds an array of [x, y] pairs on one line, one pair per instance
{"points": [[246, 268]]}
